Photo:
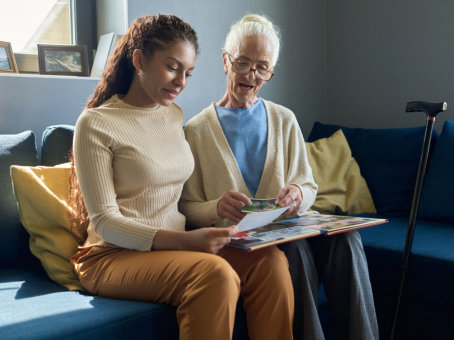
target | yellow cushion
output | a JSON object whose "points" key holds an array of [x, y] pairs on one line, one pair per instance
{"points": [[42, 194], [341, 188]]}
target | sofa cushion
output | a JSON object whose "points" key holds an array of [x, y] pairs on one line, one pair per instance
{"points": [[431, 265], [14, 149], [32, 306], [43, 195], [438, 189], [341, 188], [56, 144], [388, 159]]}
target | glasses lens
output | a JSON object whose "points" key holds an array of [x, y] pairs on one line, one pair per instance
{"points": [[244, 67], [263, 74], [241, 67]]}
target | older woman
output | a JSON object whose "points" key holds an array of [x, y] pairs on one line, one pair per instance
{"points": [[249, 147]]}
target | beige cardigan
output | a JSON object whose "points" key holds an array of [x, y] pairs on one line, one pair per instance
{"points": [[216, 170]]}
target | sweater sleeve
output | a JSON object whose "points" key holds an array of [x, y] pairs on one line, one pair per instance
{"points": [[194, 204], [93, 161], [299, 170]]}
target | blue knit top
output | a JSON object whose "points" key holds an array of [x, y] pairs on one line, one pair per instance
{"points": [[246, 131]]}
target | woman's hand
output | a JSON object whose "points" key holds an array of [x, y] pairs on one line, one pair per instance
{"points": [[210, 240], [230, 205], [290, 196]]}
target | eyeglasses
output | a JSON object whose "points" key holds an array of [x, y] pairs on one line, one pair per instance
{"points": [[243, 67]]}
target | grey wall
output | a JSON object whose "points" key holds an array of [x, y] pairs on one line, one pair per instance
{"points": [[33, 102], [382, 54], [299, 82], [111, 16]]}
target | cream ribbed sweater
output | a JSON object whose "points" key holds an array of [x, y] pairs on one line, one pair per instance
{"points": [[131, 164], [216, 170]]}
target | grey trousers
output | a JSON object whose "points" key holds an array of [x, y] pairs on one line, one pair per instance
{"points": [[338, 262]]}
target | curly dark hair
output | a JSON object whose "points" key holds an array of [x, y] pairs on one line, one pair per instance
{"points": [[147, 34]]}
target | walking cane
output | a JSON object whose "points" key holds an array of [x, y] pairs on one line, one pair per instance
{"points": [[431, 110]]}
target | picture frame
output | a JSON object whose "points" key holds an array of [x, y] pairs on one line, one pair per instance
{"points": [[7, 60], [106, 46], [69, 60]]}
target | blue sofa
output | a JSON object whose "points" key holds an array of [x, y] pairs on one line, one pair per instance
{"points": [[33, 306], [388, 159]]}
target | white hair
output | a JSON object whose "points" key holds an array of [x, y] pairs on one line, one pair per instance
{"points": [[253, 25]]}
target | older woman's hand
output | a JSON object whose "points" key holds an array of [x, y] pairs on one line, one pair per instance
{"points": [[230, 205], [290, 196]]}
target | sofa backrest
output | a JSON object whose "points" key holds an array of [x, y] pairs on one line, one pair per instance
{"points": [[17, 149], [388, 159], [56, 144], [438, 189], [20, 149]]}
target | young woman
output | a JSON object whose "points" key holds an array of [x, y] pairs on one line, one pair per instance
{"points": [[131, 161]]}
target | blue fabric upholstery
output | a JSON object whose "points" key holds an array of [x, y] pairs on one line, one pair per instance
{"points": [[438, 190], [431, 262], [33, 306], [19, 149], [25, 313], [56, 144], [388, 159], [416, 320], [430, 273]]}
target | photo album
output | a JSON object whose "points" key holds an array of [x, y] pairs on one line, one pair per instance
{"points": [[259, 228]]}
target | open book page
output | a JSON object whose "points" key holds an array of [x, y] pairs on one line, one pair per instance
{"points": [[308, 225], [332, 224], [273, 233]]}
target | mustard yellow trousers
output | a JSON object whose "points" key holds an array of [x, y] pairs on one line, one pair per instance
{"points": [[204, 287]]}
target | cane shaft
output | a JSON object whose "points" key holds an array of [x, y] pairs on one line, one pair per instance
{"points": [[413, 213]]}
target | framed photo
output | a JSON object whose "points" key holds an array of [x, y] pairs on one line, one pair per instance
{"points": [[7, 60], [106, 46], [70, 60]]}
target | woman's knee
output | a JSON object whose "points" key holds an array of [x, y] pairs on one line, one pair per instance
{"points": [[272, 263], [295, 247], [298, 252], [219, 274], [350, 242]]}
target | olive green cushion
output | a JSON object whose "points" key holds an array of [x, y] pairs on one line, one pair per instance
{"points": [[43, 194], [341, 188]]}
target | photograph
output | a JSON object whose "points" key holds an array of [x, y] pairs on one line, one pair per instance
{"points": [[7, 60], [63, 60], [261, 205]]}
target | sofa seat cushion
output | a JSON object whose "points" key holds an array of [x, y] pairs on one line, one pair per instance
{"points": [[431, 265], [14, 149], [32, 306], [388, 159]]}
